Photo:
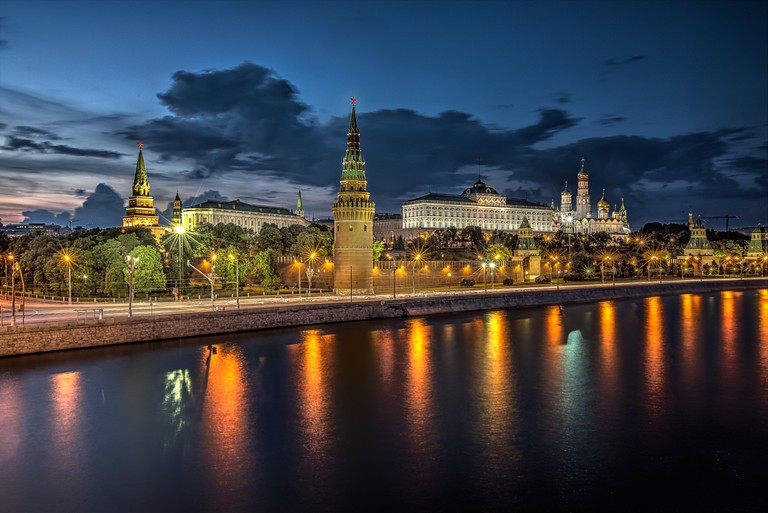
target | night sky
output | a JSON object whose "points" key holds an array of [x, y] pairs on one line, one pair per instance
{"points": [[666, 100]]}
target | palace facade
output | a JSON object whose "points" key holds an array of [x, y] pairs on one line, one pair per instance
{"points": [[245, 215], [479, 205], [581, 219]]}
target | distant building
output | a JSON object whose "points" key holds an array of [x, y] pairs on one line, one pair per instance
{"points": [[387, 227], [141, 210], [581, 219], [698, 249], [176, 214], [20, 230], [245, 215], [479, 205], [758, 244]]}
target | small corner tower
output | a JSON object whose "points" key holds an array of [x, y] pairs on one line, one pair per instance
{"points": [[176, 215], [353, 221], [141, 210]]}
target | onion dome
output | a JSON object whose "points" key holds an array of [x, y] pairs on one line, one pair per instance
{"points": [[603, 204], [583, 173]]}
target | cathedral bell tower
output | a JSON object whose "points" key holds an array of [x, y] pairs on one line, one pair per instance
{"points": [[353, 221], [583, 208]]}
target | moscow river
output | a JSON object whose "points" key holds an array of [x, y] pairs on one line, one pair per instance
{"points": [[649, 404]]}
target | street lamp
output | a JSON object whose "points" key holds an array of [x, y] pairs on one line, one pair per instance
{"points": [[485, 276], [416, 258], [492, 265], [68, 260], [298, 273], [179, 229], [131, 262], [210, 277], [237, 279], [310, 272]]}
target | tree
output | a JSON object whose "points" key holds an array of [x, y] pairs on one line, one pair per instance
{"points": [[498, 251], [270, 237], [378, 249], [265, 269], [149, 275]]}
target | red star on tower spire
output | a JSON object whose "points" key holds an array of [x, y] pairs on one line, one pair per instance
{"points": [[354, 100], [141, 145]]}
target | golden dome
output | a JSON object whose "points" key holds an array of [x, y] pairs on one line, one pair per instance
{"points": [[583, 173], [603, 203]]}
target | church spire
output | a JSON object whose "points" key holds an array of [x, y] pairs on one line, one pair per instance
{"points": [[140, 182], [299, 206]]}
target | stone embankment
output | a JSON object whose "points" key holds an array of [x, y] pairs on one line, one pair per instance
{"points": [[96, 333]]}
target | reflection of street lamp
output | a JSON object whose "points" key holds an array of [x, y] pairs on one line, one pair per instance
{"points": [[131, 262], [237, 279]]}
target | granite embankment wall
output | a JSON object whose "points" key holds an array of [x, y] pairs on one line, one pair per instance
{"points": [[84, 334]]}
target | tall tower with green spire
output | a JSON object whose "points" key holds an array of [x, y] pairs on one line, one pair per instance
{"points": [[353, 221], [299, 206], [141, 211]]}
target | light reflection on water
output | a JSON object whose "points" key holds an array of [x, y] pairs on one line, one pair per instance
{"points": [[521, 409]]}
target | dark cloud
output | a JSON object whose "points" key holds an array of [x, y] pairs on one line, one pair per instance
{"points": [[506, 106], [46, 216], [608, 120], [619, 61], [563, 97], [103, 207], [28, 131], [13, 143]]}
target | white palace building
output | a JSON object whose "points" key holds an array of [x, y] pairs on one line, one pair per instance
{"points": [[478, 205]]}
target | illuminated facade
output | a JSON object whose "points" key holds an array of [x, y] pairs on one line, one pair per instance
{"points": [[353, 214], [479, 205], [245, 215], [581, 219]]}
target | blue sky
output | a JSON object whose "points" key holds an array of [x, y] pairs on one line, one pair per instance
{"points": [[667, 101]]}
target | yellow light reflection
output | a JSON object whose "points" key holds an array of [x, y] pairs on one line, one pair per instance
{"points": [[418, 390], [67, 426], [762, 323], [224, 422], [608, 352], [690, 333], [654, 351], [731, 308], [314, 355], [495, 395], [554, 325]]}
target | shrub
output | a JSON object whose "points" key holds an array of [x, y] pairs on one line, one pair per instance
{"points": [[468, 282], [508, 281]]}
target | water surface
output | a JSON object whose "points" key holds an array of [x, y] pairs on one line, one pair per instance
{"points": [[652, 404]]}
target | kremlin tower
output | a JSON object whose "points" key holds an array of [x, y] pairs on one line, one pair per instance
{"points": [[583, 208], [141, 211], [353, 221]]}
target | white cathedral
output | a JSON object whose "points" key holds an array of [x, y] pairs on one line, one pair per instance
{"points": [[581, 219]]}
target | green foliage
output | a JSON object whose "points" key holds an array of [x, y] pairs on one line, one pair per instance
{"points": [[265, 269], [498, 251], [148, 275], [270, 237], [378, 249]]}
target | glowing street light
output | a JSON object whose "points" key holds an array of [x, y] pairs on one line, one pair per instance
{"points": [[232, 258], [416, 258], [179, 229], [310, 272], [67, 257]]}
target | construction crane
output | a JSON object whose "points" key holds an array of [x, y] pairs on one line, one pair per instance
{"points": [[727, 218]]}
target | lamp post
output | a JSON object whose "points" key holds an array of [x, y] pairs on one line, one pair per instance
{"points": [[237, 279], [131, 262], [310, 272], [179, 229], [492, 265], [485, 276], [13, 295], [210, 277], [416, 258], [68, 260], [298, 273]]}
